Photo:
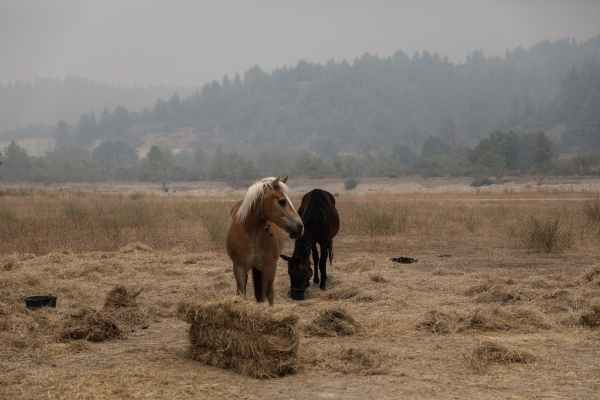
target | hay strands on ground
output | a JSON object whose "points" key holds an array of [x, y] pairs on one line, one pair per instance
{"points": [[251, 339]]}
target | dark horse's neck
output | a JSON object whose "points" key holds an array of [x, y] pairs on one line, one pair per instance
{"points": [[302, 247], [314, 217]]}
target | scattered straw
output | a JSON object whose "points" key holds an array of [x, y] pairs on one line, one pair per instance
{"points": [[488, 318], [497, 295], [249, 338], [443, 271], [341, 293], [590, 275], [348, 360], [137, 246]]}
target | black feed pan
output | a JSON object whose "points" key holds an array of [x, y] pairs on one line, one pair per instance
{"points": [[40, 301]]}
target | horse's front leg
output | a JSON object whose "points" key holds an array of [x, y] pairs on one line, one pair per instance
{"points": [[323, 266], [241, 279], [268, 280], [315, 256]]}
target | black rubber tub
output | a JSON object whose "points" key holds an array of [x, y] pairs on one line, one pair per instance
{"points": [[40, 301]]}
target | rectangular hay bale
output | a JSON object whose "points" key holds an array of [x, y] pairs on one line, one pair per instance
{"points": [[249, 338]]}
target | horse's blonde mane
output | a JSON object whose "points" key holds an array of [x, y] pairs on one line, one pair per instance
{"points": [[254, 194]]}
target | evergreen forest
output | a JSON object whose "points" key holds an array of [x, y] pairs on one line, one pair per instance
{"points": [[534, 110]]}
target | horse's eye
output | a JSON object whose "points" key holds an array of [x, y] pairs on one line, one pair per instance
{"points": [[282, 202]]}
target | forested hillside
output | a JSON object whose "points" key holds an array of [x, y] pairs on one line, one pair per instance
{"points": [[46, 101], [374, 116]]}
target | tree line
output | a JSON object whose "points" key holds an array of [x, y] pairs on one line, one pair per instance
{"points": [[499, 154]]}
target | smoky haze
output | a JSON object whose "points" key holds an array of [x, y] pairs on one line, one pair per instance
{"points": [[188, 43]]}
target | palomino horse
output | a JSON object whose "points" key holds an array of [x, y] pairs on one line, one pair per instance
{"points": [[253, 243], [321, 224]]}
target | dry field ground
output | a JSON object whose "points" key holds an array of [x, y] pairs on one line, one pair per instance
{"points": [[503, 302]]}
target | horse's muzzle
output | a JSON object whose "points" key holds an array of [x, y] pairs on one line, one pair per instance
{"points": [[298, 296], [297, 231]]}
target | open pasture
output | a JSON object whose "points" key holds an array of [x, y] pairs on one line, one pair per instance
{"points": [[504, 301]]}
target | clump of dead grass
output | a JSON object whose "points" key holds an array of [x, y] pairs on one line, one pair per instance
{"points": [[547, 235], [89, 324], [492, 352], [249, 338], [333, 322]]}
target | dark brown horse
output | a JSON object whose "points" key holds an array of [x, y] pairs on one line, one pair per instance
{"points": [[255, 235], [321, 224]]}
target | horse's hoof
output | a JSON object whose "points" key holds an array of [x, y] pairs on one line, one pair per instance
{"points": [[316, 281], [322, 287]]}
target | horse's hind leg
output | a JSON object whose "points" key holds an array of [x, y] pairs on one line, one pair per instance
{"points": [[323, 265], [315, 255], [258, 278]]}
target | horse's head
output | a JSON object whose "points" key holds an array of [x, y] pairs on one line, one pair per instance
{"points": [[277, 208], [300, 274]]}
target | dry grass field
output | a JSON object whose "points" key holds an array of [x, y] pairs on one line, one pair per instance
{"points": [[503, 302]]}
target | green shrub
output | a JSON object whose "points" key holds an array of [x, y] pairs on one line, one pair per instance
{"points": [[481, 182], [351, 183]]}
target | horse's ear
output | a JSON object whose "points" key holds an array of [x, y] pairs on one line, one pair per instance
{"points": [[284, 180], [286, 258], [276, 181]]}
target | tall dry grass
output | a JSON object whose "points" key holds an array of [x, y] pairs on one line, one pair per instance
{"points": [[38, 222]]}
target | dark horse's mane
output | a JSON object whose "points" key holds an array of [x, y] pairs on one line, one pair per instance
{"points": [[314, 217]]}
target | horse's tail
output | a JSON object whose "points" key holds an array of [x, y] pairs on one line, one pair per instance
{"points": [[257, 280], [330, 251]]}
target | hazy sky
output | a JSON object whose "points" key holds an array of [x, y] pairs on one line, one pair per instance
{"points": [[189, 43]]}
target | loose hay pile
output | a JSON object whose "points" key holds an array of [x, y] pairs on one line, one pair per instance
{"points": [[121, 297], [98, 326], [492, 352], [333, 322], [91, 325], [248, 338], [591, 319]]}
